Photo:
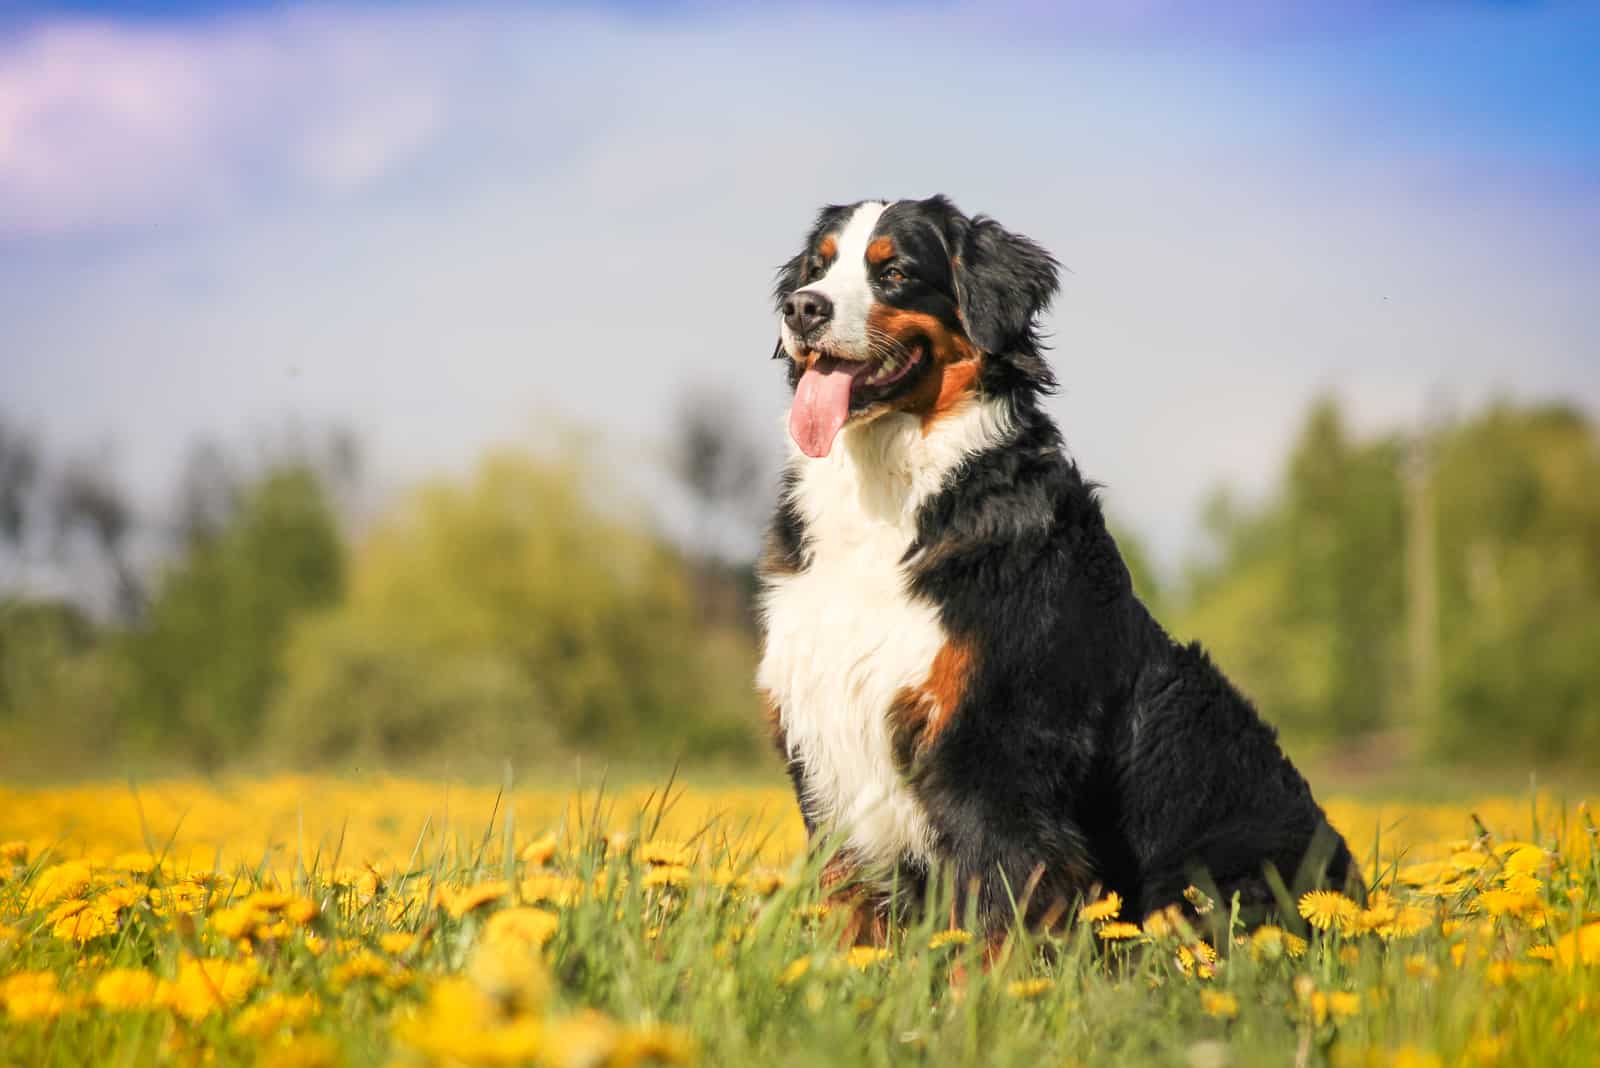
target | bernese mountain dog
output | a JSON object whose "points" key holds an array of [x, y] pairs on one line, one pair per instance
{"points": [[956, 668]]}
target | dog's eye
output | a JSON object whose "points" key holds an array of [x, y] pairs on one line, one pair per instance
{"points": [[892, 276]]}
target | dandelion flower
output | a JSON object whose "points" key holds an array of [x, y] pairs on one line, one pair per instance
{"points": [[863, 957], [32, 996], [1116, 932], [795, 971], [274, 1014], [1580, 946], [1327, 909], [205, 985], [125, 989], [673, 876], [675, 854], [1028, 989], [1219, 1003], [531, 926], [395, 943], [654, 1044], [1344, 1004], [1107, 908], [460, 902], [955, 936], [540, 850]]}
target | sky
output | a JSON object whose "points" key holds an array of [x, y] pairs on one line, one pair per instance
{"points": [[449, 225]]}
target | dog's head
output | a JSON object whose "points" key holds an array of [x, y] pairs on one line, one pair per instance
{"points": [[907, 306]]}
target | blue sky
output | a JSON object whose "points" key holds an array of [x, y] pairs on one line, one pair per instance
{"points": [[449, 224]]}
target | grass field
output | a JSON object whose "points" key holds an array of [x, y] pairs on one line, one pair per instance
{"points": [[301, 921]]}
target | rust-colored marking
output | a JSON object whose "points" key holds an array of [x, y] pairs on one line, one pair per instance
{"points": [[881, 250], [827, 248], [952, 379], [919, 715]]}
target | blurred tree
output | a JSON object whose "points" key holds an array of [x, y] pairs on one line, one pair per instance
{"points": [[507, 616], [206, 659], [1518, 494], [19, 469], [723, 472], [1311, 600], [91, 505]]}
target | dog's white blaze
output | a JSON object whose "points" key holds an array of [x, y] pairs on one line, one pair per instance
{"points": [[846, 284], [843, 636]]}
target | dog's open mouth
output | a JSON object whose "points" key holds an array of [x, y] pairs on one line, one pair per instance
{"points": [[832, 390]]}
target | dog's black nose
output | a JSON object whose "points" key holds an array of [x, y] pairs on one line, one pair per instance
{"points": [[806, 310]]}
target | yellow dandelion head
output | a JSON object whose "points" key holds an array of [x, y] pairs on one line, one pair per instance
{"points": [[125, 989], [1219, 1003], [1028, 989], [1118, 932], [1107, 908], [1329, 909]]}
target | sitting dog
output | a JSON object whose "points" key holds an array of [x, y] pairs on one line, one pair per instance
{"points": [[955, 665]]}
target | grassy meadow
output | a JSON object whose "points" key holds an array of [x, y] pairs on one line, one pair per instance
{"points": [[305, 921]]}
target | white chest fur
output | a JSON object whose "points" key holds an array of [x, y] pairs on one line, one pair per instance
{"points": [[844, 637]]}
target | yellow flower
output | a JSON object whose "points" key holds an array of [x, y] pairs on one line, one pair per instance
{"points": [[14, 852], [32, 996], [560, 890], [1267, 943], [1327, 909], [510, 972], [539, 851], [675, 854], [134, 863], [79, 921], [396, 943], [1027, 989], [1198, 960], [205, 985], [864, 957], [1219, 1003], [1420, 967], [795, 971], [126, 989], [675, 876], [587, 1038], [1116, 932], [1107, 908], [235, 921], [1342, 1004], [363, 965], [654, 1045], [955, 936], [1408, 920], [523, 924], [59, 881], [460, 902], [274, 1014], [1504, 902], [1542, 952], [1581, 946], [1167, 922]]}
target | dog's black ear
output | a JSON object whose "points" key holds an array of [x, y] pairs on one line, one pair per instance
{"points": [[786, 282], [787, 279], [1003, 282]]}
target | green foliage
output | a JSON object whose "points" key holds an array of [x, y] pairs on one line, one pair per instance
{"points": [[204, 664], [1519, 577], [509, 615], [1306, 601]]}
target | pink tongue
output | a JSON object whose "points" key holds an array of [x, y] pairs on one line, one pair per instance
{"points": [[821, 406]]}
